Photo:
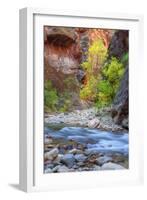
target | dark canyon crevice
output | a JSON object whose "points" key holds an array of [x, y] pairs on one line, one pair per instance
{"points": [[119, 46]]}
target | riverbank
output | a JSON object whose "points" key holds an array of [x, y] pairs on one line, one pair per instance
{"points": [[84, 140], [86, 118], [70, 149]]}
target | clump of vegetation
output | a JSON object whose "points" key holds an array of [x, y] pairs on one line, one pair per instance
{"points": [[50, 97], [102, 76], [88, 92], [100, 86], [71, 85], [125, 58], [59, 101], [105, 94], [97, 54], [66, 106], [107, 87], [65, 102]]}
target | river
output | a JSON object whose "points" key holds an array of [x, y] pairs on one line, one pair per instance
{"points": [[94, 140]]}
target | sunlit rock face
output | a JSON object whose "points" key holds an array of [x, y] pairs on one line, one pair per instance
{"points": [[62, 55], [61, 60], [104, 35], [65, 48], [62, 50]]}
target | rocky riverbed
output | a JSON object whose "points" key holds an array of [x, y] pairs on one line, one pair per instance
{"points": [[69, 149], [86, 118]]}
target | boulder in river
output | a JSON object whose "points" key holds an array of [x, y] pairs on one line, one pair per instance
{"points": [[93, 123], [80, 157], [75, 151], [68, 160], [51, 154], [103, 159]]}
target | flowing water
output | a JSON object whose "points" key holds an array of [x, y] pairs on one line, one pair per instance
{"points": [[94, 140]]}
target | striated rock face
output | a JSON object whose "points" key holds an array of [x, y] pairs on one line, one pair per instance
{"points": [[122, 95], [61, 51], [119, 44], [105, 35], [83, 37], [51, 154], [120, 110], [118, 47]]}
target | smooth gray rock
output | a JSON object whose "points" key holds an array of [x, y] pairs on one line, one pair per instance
{"points": [[48, 170], [125, 123], [103, 159], [51, 154], [80, 157], [75, 151], [51, 166], [68, 160], [111, 166], [57, 160], [80, 164], [93, 123], [89, 152], [62, 168], [96, 167]]}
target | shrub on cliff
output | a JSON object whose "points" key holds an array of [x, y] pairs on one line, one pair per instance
{"points": [[50, 96], [96, 55], [88, 92], [112, 74]]}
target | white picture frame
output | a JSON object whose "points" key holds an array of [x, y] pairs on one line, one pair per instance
{"points": [[31, 105]]}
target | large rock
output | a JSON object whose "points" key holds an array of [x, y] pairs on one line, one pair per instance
{"points": [[111, 166], [103, 159], [125, 123], [48, 170], [96, 167], [51, 154], [80, 157], [62, 168], [93, 123], [75, 151], [57, 159], [68, 160]]}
